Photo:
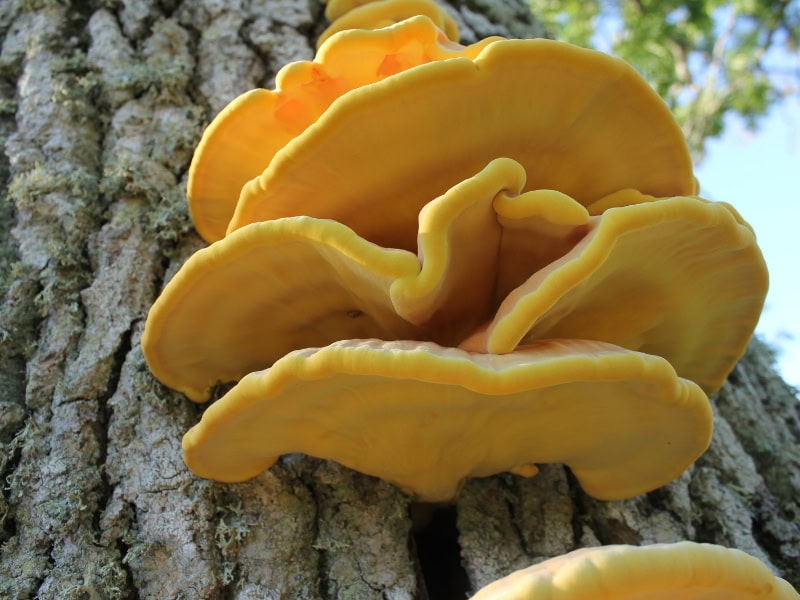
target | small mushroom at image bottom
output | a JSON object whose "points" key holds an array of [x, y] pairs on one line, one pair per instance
{"points": [[680, 571], [426, 418]]}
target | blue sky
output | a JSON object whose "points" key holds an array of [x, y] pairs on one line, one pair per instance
{"points": [[759, 173]]}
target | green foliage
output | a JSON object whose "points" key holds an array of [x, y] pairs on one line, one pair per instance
{"points": [[706, 58]]}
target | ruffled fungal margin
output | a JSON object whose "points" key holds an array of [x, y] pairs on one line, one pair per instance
{"points": [[298, 282], [588, 128], [680, 278], [425, 417], [684, 570], [242, 140], [384, 13]]}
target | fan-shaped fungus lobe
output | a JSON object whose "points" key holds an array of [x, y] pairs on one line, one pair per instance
{"points": [[680, 278], [383, 13], [578, 121], [426, 417], [305, 282], [242, 140]]}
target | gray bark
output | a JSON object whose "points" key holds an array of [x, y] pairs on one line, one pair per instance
{"points": [[101, 105]]}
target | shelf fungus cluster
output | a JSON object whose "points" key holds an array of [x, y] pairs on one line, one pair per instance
{"points": [[431, 262]]}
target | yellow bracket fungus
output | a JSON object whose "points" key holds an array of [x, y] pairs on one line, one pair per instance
{"points": [[525, 199], [292, 283], [384, 13], [680, 571], [578, 121], [680, 278], [242, 140], [426, 417]]}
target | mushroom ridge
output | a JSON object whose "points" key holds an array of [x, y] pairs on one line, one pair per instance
{"points": [[680, 278], [384, 13]]}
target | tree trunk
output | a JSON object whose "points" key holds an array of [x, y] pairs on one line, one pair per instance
{"points": [[101, 106]]}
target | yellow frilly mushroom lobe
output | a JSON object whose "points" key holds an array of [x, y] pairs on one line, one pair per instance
{"points": [[242, 140], [277, 286], [426, 417], [680, 571], [680, 278], [592, 127]]}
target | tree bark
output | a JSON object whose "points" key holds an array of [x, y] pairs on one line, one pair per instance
{"points": [[101, 106]]}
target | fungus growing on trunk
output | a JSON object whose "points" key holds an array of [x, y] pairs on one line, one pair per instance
{"points": [[242, 139], [680, 571], [578, 121], [525, 199], [426, 417], [308, 282], [679, 278]]}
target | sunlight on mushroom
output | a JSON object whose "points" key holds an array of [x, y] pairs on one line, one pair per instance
{"points": [[514, 221], [680, 278], [277, 286]]}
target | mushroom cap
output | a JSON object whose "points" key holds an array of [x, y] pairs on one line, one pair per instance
{"points": [[383, 13], [241, 141], [298, 282], [426, 417], [684, 570], [579, 122], [681, 278]]}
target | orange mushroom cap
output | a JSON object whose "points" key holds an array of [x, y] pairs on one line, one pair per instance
{"points": [[426, 417], [277, 286], [681, 278], [579, 122], [383, 13], [680, 571], [242, 140]]}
